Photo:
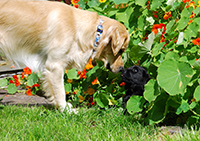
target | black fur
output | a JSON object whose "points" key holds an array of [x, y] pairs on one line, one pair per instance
{"points": [[135, 78]]}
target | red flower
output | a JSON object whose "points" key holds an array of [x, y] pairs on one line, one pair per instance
{"points": [[158, 26], [83, 74], [196, 41], [28, 92], [15, 77], [122, 84], [184, 1], [148, 4], [22, 76], [17, 83], [27, 70], [36, 85], [11, 81], [155, 14], [93, 103], [79, 72], [76, 5]]}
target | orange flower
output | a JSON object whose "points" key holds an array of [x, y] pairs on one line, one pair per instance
{"points": [[184, 1], [81, 98], [95, 81], [36, 85], [69, 80], [192, 15], [162, 39], [28, 92], [22, 76], [190, 21], [83, 74], [89, 91], [196, 41], [192, 4], [158, 26], [167, 15], [74, 1], [89, 65], [27, 70]]}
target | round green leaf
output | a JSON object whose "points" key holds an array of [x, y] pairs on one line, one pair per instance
{"points": [[102, 100], [3, 82], [196, 65], [72, 74], [32, 79], [197, 93], [68, 87], [151, 90], [173, 76], [12, 89], [172, 55], [135, 104]]}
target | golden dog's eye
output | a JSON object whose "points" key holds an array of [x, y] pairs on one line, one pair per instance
{"points": [[121, 51]]}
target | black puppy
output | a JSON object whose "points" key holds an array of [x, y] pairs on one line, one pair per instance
{"points": [[135, 78]]}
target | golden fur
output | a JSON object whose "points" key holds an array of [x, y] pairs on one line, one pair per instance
{"points": [[52, 37]]}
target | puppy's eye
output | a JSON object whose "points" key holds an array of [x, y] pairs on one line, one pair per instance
{"points": [[135, 70]]}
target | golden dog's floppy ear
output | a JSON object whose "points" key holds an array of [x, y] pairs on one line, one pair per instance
{"points": [[115, 38]]}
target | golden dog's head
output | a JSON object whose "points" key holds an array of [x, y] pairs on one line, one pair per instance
{"points": [[113, 43]]}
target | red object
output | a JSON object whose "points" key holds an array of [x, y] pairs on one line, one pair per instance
{"points": [[122, 84]]}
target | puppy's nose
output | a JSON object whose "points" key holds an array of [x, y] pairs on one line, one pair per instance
{"points": [[121, 69]]}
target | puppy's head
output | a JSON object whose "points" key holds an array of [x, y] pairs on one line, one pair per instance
{"points": [[114, 42], [135, 76]]}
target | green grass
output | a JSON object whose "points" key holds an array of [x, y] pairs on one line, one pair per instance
{"points": [[37, 123]]}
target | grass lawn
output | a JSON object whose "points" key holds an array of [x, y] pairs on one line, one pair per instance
{"points": [[38, 123]]}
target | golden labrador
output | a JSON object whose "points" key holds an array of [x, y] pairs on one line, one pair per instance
{"points": [[52, 36]]}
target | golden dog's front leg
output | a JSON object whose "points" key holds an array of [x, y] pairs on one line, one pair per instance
{"points": [[53, 85]]}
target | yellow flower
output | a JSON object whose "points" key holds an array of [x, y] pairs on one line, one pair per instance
{"points": [[67, 93], [89, 65], [66, 71], [102, 1], [198, 3], [89, 91], [69, 80]]}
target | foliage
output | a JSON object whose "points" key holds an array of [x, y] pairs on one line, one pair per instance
{"points": [[165, 40], [27, 80]]}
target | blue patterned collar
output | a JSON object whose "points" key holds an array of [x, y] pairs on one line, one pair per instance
{"points": [[98, 35]]}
